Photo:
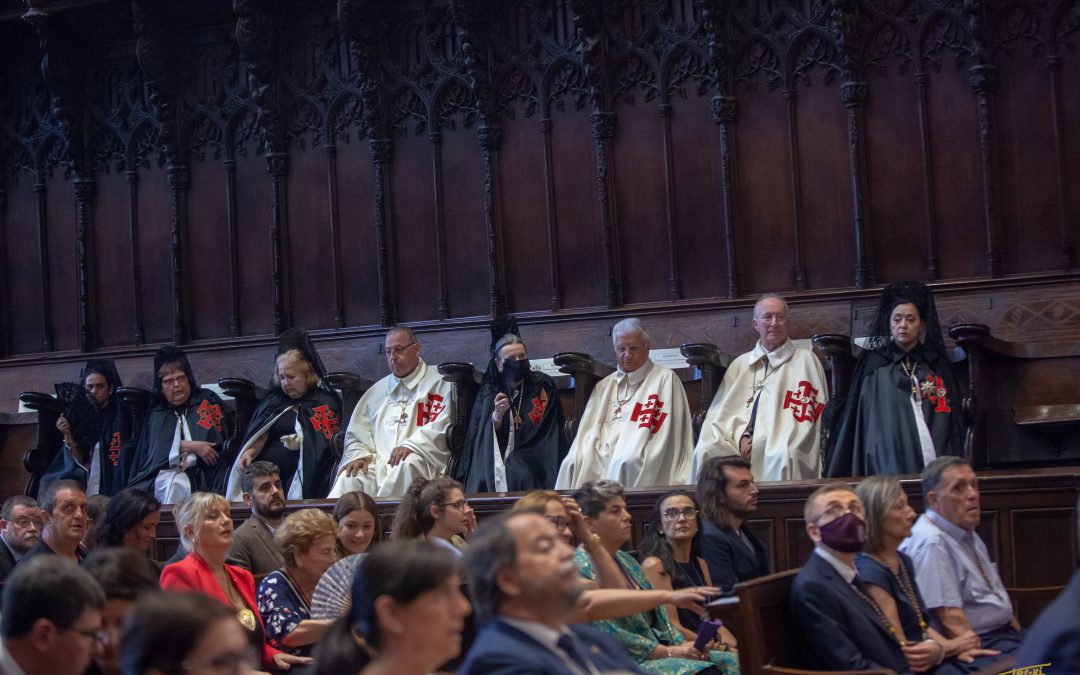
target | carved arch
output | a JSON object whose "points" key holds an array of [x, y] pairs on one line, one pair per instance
{"points": [[345, 112], [813, 47], [757, 56], [1064, 26], [634, 70], [452, 97], [888, 40], [203, 131], [407, 102], [15, 158], [304, 118], [512, 84], [943, 32], [675, 71], [563, 77], [107, 150], [241, 127]]}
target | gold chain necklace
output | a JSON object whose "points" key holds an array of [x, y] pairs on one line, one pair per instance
{"points": [[881, 615], [971, 552], [907, 587]]}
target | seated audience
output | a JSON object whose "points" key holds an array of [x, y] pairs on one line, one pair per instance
{"points": [[96, 506], [307, 541], [183, 436], [51, 618], [649, 636], [889, 577], [131, 521], [407, 614], [524, 584], [253, 545], [637, 427], [671, 558], [1054, 638], [20, 530], [204, 519], [843, 628], [184, 632], [359, 526], [65, 520], [436, 510], [124, 575], [959, 583], [294, 423], [728, 496]]}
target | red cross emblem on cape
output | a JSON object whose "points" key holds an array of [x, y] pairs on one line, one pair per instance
{"points": [[648, 415], [933, 388], [210, 415], [325, 420], [803, 403], [114, 448], [426, 414], [539, 405]]}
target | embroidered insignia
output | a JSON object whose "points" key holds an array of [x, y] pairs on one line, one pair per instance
{"points": [[325, 420], [429, 413], [210, 415], [539, 405], [933, 388], [114, 448], [648, 415], [803, 403]]}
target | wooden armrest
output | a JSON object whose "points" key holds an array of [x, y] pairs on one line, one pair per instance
{"points": [[238, 388], [38, 402], [1046, 414], [573, 363]]}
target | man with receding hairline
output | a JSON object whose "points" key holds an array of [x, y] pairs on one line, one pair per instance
{"points": [[398, 429], [20, 530]]}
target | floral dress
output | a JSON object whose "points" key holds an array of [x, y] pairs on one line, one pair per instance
{"points": [[282, 608], [639, 634]]}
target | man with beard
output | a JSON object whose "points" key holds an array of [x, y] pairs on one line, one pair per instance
{"points": [[65, 518], [728, 496], [525, 584], [843, 628], [20, 530], [515, 440], [253, 541]]}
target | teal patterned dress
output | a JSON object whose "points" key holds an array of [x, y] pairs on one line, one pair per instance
{"points": [[639, 634]]}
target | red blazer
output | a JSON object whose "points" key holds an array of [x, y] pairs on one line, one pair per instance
{"points": [[193, 574]]}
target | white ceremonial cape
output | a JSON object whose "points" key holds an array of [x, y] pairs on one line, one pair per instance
{"points": [[414, 411], [786, 444], [233, 491], [636, 429]]}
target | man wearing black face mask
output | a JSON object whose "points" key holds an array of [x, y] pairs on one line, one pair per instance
{"points": [[515, 439], [842, 628]]}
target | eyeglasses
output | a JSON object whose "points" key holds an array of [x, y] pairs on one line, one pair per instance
{"points": [[837, 510], [173, 381], [559, 522], [689, 513], [460, 504], [96, 634], [398, 351]]}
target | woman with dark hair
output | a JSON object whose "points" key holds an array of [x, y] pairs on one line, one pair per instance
{"points": [[131, 521], [407, 614], [125, 576], [294, 425], [435, 509], [357, 516], [903, 407], [174, 633], [671, 558]]}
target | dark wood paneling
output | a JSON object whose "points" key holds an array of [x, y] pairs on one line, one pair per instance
{"points": [[253, 219], [22, 266], [414, 228], [112, 260], [61, 302], [309, 242], [525, 240], [466, 238], [359, 250], [154, 265], [211, 308]]}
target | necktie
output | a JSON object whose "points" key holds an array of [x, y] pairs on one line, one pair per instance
{"points": [[567, 644]]}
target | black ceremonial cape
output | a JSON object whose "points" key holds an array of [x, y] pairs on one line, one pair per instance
{"points": [[319, 415], [539, 445], [207, 421], [877, 433], [113, 457]]}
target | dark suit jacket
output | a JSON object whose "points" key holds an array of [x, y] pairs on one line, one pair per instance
{"points": [[193, 574], [728, 558], [838, 629], [1054, 638], [501, 649], [253, 548], [7, 560]]}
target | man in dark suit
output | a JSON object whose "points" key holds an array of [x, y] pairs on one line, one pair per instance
{"points": [[1054, 638], [253, 541], [728, 496], [66, 518], [843, 629], [20, 530], [524, 583]]}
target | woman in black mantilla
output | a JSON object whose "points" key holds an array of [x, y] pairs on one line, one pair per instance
{"points": [[94, 432], [181, 444], [903, 407], [295, 424], [515, 439]]}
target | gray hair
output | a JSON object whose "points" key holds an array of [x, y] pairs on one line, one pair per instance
{"points": [[492, 550], [409, 332], [47, 587], [878, 493], [592, 497], [506, 341], [629, 325], [48, 498], [932, 472], [17, 500], [769, 296], [193, 510]]}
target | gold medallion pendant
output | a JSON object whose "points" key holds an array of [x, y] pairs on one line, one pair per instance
{"points": [[246, 617]]}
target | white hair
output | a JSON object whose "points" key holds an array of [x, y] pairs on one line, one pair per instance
{"points": [[630, 325], [769, 296]]}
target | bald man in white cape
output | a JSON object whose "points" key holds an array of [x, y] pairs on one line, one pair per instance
{"points": [[636, 428]]}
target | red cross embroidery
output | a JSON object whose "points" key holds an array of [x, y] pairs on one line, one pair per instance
{"points": [[325, 420], [114, 448], [210, 415], [937, 393], [648, 415], [803, 403], [429, 413], [539, 405]]}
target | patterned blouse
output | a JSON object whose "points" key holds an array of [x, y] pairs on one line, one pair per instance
{"points": [[639, 634], [282, 608]]}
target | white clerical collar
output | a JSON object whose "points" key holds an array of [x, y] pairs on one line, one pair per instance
{"points": [[842, 568], [409, 380], [777, 357], [636, 377]]}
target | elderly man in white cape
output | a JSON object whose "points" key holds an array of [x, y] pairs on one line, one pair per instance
{"points": [[636, 428], [398, 430], [769, 404]]}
